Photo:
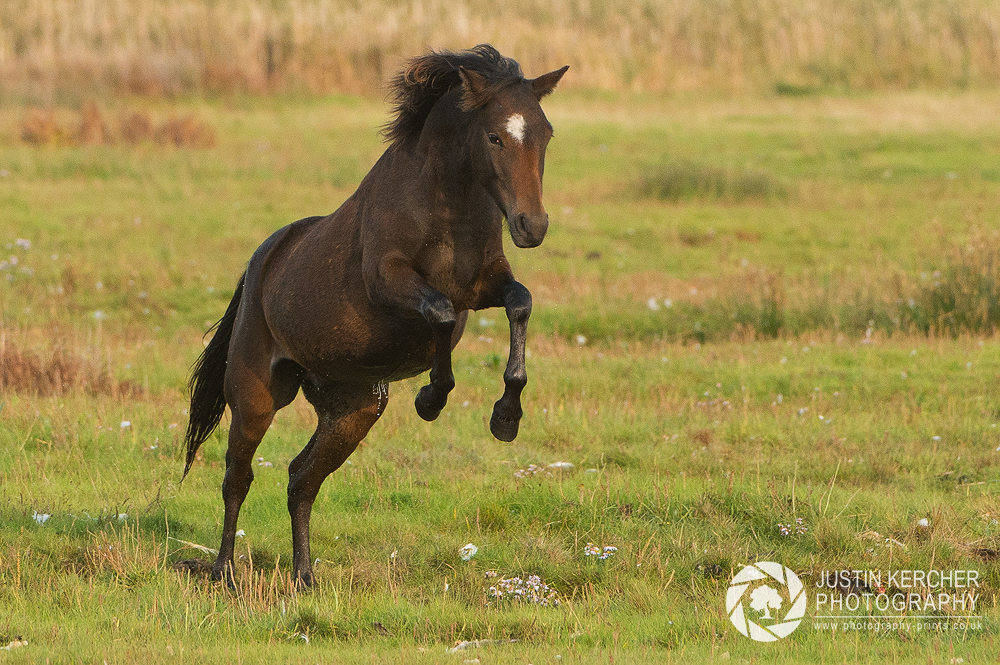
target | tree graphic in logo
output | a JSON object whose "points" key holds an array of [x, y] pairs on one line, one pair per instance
{"points": [[763, 599], [766, 584]]}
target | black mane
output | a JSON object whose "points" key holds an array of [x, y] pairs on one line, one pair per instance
{"points": [[416, 89]]}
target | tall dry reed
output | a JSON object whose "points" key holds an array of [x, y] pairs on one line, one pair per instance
{"points": [[178, 46]]}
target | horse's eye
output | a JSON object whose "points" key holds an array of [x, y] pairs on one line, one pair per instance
{"points": [[495, 140]]}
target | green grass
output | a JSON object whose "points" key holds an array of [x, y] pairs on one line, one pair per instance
{"points": [[776, 385]]}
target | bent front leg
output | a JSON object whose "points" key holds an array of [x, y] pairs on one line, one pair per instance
{"points": [[440, 314], [507, 411], [393, 281]]}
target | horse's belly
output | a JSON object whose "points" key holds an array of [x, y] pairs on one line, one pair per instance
{"points": [[383, 354]]}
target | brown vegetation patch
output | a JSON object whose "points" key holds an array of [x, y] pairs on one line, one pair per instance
{"points": [[58, 373], [136, 127], [40, 127], [93, 128], [43, 127], [185, 132]]}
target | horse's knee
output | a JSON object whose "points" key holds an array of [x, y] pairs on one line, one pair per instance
{"points": [[439, 312], [517, 302]]}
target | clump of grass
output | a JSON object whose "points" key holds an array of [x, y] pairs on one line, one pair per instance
{"points": [[685, 179], [964, 295]]}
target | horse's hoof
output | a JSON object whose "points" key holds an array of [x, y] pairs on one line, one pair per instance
{"points": [[502, 428], [305, 580], [226, 576], [428, 407]]}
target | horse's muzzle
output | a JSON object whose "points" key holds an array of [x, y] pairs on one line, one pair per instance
{"points": [[528, 230]]}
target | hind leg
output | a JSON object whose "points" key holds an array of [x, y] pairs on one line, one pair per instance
{"points": [[250, 422], [346, 413], [254, 397]]}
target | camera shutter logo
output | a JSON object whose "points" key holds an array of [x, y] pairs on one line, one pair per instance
{"points": [[759, 587]]}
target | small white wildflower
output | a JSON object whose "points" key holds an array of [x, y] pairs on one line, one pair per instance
{"points": [[653, 305], [923, 522], [41, 518], [581, 340], [591, 550], [241, 533], [126, 424], [514, 588], [468, 551], [23, 243]]}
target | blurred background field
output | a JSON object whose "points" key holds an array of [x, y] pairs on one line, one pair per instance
{"points": [[769, 298], [54, 47]]}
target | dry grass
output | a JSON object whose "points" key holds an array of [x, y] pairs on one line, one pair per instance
{"points": [[40, 127], [58, 372], [158, 47], [43, 127]]}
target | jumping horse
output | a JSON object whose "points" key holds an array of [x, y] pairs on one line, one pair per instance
{"points": [[380, 290]]}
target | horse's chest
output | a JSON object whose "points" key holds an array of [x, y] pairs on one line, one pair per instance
{"points": [[457, 275]]}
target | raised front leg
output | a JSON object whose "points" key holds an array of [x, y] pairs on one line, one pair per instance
{"points": [[440, 314], [393, 281], [507, 411]]}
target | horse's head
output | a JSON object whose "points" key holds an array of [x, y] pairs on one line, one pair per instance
{"points": [[509, 137]]}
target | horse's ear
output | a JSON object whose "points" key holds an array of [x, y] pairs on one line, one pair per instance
{"points": [[546, 83], [474, 88]]}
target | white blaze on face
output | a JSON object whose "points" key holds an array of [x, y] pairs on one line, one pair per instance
{"points": [[516, 126]]}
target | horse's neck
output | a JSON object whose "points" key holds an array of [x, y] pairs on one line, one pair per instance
{"points": [[447, 183]]}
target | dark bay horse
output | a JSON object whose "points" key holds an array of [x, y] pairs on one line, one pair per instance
{"points": [[380, 290]]}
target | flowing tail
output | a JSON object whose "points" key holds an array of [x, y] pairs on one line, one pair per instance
{"points": [[208, 378]]}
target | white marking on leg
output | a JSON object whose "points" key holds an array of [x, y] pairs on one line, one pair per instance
{"points": [[516, 126]]}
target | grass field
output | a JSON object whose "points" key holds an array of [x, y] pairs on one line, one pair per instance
{"points": [[753, 315]]}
